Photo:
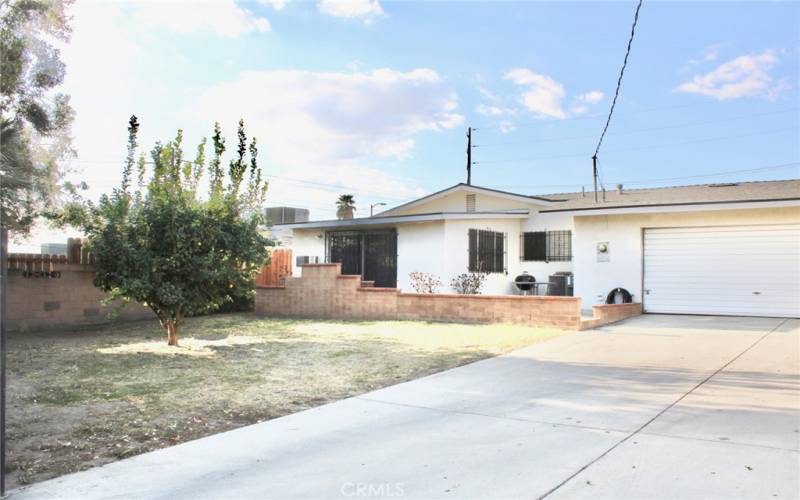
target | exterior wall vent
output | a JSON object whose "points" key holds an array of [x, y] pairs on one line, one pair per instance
{"points": [[470, 203]]}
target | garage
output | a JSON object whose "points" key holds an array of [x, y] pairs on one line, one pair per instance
{"points": [[746, 270]]}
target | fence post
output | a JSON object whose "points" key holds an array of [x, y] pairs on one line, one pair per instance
{"points": [[74, 250]]}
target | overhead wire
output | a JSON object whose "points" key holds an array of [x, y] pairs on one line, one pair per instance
{"points": [[637, 131], [619, 80], [664, 179], [650, 146]]}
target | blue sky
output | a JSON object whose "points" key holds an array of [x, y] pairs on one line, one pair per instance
{"points": [[374, 98]]}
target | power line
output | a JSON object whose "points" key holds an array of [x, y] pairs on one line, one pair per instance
{"points": [[663, 179], [269, 176], [650, 146], [637, 131], [596, 115], [619, 80]]}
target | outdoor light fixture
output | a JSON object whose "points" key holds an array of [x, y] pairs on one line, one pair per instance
{"points": [[373, 205]]}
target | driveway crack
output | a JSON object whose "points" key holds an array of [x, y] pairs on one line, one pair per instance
{"points": [[666, 409]]}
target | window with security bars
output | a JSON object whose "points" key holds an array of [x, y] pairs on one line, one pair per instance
{"points": [[546, 246], [487, 251]]}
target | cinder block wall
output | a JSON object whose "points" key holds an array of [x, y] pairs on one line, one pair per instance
{"points": [[38, 302], [323, 292]]}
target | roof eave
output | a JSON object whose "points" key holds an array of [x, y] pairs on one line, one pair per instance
{"points": [[680, 207], [405, 219]]}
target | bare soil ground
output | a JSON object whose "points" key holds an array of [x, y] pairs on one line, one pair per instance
{"points": [[83, 398]]}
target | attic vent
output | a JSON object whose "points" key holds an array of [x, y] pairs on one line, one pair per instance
{"points": [[723, 184], [470, 203]]}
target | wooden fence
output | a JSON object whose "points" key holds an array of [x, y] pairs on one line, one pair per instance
{"points": [[280, 266], [42, 265], [36, 264]]}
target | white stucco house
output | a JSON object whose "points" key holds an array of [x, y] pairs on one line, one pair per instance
{"points": [[730, 248]]}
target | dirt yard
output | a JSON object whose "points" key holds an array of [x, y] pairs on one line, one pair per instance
{"points": [[83, 398]]}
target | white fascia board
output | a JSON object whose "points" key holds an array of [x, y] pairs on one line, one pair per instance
{"points": [[670, 208], [404, 219]]}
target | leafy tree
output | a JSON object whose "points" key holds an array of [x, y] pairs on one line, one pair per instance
{"points": [[34, 121], [167, 247], [345, 206]]}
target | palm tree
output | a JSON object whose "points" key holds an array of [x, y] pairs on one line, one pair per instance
{"points": [[345, 206]]}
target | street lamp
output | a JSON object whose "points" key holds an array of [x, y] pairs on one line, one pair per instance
{"points": [[373, 205]]}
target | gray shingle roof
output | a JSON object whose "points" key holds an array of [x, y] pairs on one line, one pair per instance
{"points": [[695, 194]]}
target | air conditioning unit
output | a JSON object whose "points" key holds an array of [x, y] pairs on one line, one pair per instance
{"points": [[306, 259], [561, 284]]}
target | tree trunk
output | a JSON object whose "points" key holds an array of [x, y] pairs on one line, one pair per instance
{"points": [[171, 327], [172, 333]]}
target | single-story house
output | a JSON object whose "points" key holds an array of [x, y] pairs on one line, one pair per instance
{"points": [[728, 248]]}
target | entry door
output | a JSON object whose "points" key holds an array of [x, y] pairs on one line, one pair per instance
{"points": [[727, 270], [372, 254], [380, 258]]}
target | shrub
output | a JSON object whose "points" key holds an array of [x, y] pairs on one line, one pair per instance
{"points": [[424, 282], [468, 283]]}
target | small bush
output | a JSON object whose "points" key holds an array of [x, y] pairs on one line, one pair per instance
{"points": [[468, 283], [424, 282]]}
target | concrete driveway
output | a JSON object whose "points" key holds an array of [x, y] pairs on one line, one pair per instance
{"points": [[655, 407]]}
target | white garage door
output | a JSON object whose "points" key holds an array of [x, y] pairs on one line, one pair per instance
{"points": [[731, 270]]}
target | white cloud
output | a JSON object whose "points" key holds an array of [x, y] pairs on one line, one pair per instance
{"points": [[591, 97], [492, 110], [367, 10], [582, 102], [332, 128], [488, 94], [315, 118], [543, 95], [506, 127], [329, 127], [710, 53], [745, 76], [275, 4], [222, 17]]}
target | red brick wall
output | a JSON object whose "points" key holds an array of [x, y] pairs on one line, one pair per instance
{"points": [[36, 302], [323, 292]]}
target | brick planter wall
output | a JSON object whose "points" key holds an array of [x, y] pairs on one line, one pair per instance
{"points": [[38, 302], [611, 313], [323, 292]]}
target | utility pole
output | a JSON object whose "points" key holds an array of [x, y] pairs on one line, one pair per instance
{"points": [[469, 156], [3, 354], [594, 175]]}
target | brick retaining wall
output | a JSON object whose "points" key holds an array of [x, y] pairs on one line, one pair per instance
{"points": [[323, 292]]}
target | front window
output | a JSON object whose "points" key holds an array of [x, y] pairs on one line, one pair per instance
{"points": [[487, 251], [547, 246]]}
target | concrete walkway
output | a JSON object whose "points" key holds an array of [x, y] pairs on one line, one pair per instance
{"points": [[655, 407]]}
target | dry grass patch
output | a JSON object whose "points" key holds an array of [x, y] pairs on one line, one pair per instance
{"points": [[84, 398]]}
